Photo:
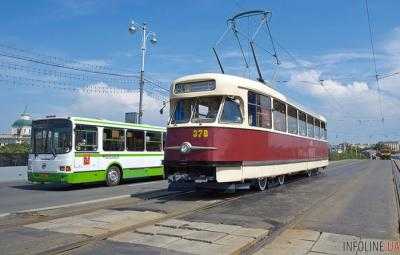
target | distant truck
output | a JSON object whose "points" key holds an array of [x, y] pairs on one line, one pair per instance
{"points": [[384, 153]]}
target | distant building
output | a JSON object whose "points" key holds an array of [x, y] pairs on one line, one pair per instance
{"points": [[20, 131], [131, 117], [394, 146]]}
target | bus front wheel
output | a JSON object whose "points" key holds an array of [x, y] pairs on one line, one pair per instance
{"points": [[113, 176]]}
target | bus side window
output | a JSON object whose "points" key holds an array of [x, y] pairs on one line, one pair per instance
{"points": [[153, 141], [85, 138], [135, 140], [113, 139]]}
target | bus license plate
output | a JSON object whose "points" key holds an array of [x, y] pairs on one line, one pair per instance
{"points": [[44, 175]]}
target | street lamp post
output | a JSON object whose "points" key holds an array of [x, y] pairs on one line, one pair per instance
{"points": [[133, 27]]}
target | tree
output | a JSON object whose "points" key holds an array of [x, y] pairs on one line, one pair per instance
{"points": [[15, 148]]}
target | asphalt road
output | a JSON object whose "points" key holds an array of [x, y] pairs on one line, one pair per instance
{"points": [[355, 198], [22, 195]]}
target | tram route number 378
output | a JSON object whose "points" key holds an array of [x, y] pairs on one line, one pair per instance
{"points": [[200, 133]]}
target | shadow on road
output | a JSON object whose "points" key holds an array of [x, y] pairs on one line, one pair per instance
{"points": [[70, 187]]}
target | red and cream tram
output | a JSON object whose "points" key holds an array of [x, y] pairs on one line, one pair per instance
{"points": [[230, 130]]}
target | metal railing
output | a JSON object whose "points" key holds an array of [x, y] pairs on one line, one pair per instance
{"points": [[396, 179], [13, 159]]}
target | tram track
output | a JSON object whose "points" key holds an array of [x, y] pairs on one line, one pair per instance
{"points": [[37, 216], [89, 240], [298, 218], [224, 201], [221, 199]]}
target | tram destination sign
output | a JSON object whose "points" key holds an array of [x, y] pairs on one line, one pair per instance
{"points": [[199, 86]]}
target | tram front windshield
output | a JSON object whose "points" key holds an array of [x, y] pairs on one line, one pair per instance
{"points": [[205, 110], [196, 110]]}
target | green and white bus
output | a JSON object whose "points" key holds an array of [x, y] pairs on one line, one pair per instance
{"points": [[81, 150]]}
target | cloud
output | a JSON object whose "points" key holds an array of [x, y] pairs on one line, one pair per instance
{"points": [[94, 62], [90, 102]]}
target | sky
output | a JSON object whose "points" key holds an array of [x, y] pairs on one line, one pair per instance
{"points": [[314, 40]]}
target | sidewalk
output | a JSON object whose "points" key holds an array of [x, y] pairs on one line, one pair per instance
{"points": [[298, 242]]}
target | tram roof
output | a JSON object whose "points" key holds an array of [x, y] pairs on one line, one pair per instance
{"points": [[230, 84]]}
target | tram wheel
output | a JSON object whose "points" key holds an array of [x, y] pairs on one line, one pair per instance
{"points": [[308, 173], [261, 184], [113, 176], [281, 179]]}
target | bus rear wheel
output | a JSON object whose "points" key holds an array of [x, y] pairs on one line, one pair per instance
{"points": [[113, 176]]}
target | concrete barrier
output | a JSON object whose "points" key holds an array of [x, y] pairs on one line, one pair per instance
{"points": [[13, 173]]}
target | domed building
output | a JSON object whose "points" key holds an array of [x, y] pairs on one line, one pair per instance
{"points": [[20, 131], [22, 126]]}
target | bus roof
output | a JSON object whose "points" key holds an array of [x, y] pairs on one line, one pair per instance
{"points": [[108, 123], [231, 85]]}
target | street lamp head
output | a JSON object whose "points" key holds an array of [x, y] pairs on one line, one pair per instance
{"points": [[132, 28], [153, 38]]}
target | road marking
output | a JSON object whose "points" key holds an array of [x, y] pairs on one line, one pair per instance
{"points": [[4, 215]]}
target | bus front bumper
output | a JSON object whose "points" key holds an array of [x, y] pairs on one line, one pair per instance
{"points": [[67, 178]]}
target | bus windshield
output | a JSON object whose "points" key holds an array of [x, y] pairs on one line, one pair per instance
{"points": [[53, 136], [197, 110]]}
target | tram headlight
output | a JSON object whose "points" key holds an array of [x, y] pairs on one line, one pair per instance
{"points": [[186, 147]]}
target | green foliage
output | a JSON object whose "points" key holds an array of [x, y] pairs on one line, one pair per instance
{"points": [[15, 149], [348, 154]]}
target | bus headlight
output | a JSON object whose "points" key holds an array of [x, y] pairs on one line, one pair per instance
{"points": [[186, 147]]}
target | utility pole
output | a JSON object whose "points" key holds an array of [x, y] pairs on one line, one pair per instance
{"points": [[133, 27]]}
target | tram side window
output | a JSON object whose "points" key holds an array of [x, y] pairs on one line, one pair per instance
{"points": [[292, 120], [85, 138], [231, 112], [135, 140], [279, 116], [310, 126], [259, 112], [113, 139], [302, 124], [153, 141], [323, 129], [317, 124]]}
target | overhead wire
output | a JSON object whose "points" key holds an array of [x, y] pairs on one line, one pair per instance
{"points": [[374, 62]]}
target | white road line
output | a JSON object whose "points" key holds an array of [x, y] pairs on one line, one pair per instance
{"points": [[67, 205], [4, 214]]}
